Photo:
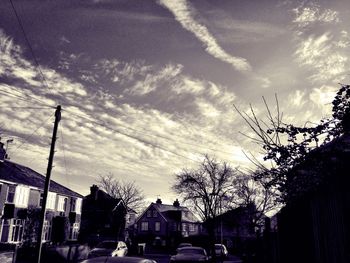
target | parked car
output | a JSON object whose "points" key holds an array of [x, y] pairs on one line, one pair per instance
{"points": [[184, 245], [118, 260], [221, 251], [190, 254], [181, 245], [109, 248]]}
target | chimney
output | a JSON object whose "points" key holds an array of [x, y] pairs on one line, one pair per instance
{"points": [[159, 201], [2, 152], [94, 191], [176, 203]]}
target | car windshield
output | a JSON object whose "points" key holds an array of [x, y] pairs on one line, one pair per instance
{"points": [[108, 245], [185, 245], [191, 251], [218, 246]]}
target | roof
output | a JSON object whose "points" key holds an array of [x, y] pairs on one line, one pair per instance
{"points": [[170, 213], [19, 174]]}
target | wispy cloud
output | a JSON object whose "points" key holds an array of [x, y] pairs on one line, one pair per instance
{"points": [[185, 16], [322, 55], [126, 129], [311, 13]]}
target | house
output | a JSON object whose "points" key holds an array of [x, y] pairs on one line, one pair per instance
{"points": [[103, 217], [21, 196], [236, 228], [165, 225]]}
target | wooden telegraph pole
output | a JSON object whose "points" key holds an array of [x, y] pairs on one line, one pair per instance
{"points": [[47, 181]]}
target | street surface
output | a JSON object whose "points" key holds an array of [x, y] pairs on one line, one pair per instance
{"points": [[163, 258], [6, 257]]}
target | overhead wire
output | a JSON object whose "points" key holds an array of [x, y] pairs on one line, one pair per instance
{"points": [[166, 138], [29, 45], [64, 152], [25, 98], [130, 136], [30, 136]]}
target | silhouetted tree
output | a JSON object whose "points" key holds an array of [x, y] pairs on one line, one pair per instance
{"points": [[287, 145], [249, 192], [131, 194], [205, 188]]}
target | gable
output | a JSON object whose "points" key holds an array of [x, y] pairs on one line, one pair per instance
{"points": [[151, 208]]}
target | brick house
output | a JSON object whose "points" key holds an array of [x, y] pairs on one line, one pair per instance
{"points": [[165, 225], [21, 196], [103, 217]]}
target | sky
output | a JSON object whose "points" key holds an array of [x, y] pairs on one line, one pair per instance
{"points": [[147, 87]]}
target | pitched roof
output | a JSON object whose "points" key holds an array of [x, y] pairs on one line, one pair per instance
{"points": [[16, 173], [169, 213]]}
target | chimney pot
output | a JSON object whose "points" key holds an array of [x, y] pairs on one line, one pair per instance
{"points": [[94, 191], [176, 203]]}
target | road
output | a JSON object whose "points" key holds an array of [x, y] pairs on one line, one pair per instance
{"points": [[164, 258], [6, 257]]}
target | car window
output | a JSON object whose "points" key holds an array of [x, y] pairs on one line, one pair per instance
{"points": [[191, 251]]}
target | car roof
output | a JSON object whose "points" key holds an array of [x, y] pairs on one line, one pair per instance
{"points": [[118, 260], [188, 248]]}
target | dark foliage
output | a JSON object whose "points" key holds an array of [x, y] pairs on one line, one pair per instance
{"points": [[287, 145]]}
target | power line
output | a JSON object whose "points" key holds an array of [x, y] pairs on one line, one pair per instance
{"points": [[27, 108], [130, 136], [29, 45], [5, 92], [169, 139], [64, 153], [28, 137]]}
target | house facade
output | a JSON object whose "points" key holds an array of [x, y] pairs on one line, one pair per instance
{"points": [[21, 197], [166, 225], [103, 217]]}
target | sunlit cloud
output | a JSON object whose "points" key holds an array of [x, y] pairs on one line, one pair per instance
{"points": [[183, 13], [320, 53], [324, 95], [309, 14]]}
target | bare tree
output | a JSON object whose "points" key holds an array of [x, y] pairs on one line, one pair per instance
{"points": [[256, 193], [287, 145], [205, 186], [131, 194]]}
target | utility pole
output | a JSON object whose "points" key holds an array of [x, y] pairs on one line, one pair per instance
{"points": [[47, 182]]}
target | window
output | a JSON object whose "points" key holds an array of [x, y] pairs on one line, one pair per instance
{"points": [[144, 226], [12, 230], [191, 227], [41, 200], [5, 230], [157, 226], [184, 226], [62, 203], [78, 204], [149, 213], [21, 196], [11, 193], [74, 231], [47, 229], [51, 201], [154, 213]]}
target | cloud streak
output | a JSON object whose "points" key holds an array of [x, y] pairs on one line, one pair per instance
{"points": [[184, 15]]}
